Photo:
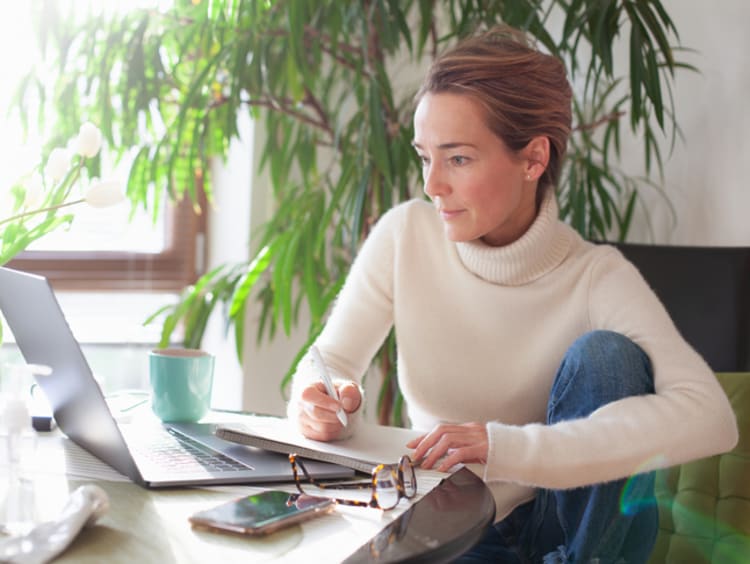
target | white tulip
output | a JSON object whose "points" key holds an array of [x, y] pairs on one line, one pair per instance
{"points": [[58, 164], [104, 193], [89, 140], [34, 193]]}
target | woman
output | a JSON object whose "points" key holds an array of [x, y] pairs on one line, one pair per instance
{"points": [[520, 345]]}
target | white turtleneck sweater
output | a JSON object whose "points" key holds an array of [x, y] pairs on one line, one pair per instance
{"points": [[482, 330]]}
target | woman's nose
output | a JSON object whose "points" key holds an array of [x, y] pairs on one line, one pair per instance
{"points": [[434, 182]]}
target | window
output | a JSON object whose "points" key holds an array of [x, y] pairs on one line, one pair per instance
{"points": [[181, 238], [141, 256]]}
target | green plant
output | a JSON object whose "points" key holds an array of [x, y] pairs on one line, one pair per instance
{"points": [[170, 84]]}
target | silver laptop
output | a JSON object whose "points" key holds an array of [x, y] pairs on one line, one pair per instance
{"points": [[173, 454]]}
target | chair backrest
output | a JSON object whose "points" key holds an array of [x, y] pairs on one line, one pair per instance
{"points": [[706, 290], [704, 505]]}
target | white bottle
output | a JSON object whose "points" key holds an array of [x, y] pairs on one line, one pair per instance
{"points": [[17, 503]]}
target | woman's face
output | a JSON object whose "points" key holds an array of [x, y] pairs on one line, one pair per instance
{"points": [[479, 187]]}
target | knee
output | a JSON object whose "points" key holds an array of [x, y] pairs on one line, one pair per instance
{"points": [[598, 368], [609, 355], [605, 349]]}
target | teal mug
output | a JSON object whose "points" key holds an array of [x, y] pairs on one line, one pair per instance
{"points": [[181, 381]]}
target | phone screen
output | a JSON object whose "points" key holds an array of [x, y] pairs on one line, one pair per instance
{"points": [[262, 513]]}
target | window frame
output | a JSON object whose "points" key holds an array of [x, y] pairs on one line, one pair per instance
{"points": [[180, 264]]}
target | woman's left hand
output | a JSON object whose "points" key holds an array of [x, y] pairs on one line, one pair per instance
{"points": [[467, 442]]}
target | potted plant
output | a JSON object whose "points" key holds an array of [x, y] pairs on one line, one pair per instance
{"points": [[171, 83]]}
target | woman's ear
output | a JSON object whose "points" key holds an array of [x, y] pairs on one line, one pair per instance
{"points": [[536, 157]]}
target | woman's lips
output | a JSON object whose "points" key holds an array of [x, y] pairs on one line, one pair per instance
{"points": [[448, 215]]}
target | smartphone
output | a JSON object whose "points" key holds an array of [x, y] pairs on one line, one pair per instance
{"points": [[262, 513]]}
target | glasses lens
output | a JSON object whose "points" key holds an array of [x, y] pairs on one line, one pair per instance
{"points": [[360, 491], [410, 478], [386, 490]]}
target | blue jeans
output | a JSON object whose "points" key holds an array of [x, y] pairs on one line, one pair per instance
{"points": [[607, 523]]}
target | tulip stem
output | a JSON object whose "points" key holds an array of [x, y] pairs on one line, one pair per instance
{"points": [[41, 210]]}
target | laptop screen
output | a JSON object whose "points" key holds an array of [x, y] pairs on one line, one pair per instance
{"points": [[43, 336]]}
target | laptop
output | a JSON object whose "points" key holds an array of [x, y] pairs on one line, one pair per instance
{"points": [[158, 455]]}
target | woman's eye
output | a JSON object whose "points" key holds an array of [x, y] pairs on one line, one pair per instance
{"points": [[424, 160], [459, 160]]}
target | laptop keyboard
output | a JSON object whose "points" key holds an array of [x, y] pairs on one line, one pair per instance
{"points": [[182, 455]]}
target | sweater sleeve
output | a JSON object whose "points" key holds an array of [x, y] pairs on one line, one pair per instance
{"points": [[362, 315], [688, 416]]}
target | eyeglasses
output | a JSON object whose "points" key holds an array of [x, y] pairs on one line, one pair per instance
{"points": [[389, 483]]}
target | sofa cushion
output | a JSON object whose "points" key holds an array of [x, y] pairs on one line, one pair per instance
{"points": [[704, 506]]}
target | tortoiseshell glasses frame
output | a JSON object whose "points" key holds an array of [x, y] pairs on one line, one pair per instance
{"points": [[388, 484]]}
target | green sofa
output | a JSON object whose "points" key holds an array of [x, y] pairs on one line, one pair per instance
{"points": [[704, 506]]}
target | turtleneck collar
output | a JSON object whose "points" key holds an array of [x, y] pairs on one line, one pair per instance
{"points": [[544, 246]]}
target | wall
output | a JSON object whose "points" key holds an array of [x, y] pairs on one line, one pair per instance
{"points": [[707, 174], [242, 200], [228, 243], [267, 362]]}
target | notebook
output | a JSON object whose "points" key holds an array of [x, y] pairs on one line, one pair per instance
{"points": [[371, 445], [152, 455]]}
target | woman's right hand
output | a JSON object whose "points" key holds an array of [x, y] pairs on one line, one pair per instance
{"points": [[317, 410]]}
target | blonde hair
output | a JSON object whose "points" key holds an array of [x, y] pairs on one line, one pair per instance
{"points": [[525, 92]]}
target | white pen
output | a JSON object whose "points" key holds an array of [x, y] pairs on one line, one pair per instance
{"points": [[326, 378]]}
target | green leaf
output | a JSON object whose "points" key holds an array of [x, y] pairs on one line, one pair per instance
{"points": [[379, 139], [310, 280], [627, 216], [657, 31], [636, 73], [653, 87], [283, 278], [254, 270], [357, 211]]}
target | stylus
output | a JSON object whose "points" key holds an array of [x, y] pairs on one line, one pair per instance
{"points": [[326, 379]]}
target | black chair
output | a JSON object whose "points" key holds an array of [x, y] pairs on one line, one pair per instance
{"points": [[706, 290]]}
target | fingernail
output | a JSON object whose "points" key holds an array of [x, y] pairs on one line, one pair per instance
{"points": [[348, 403]]}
